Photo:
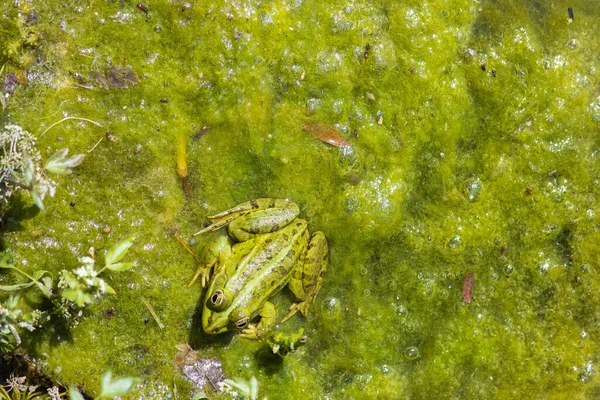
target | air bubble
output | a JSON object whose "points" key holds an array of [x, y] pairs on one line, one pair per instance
{"points": [[412, 353], [332, 307], [508, 269], [455, 243], [473, 189], [401, 311]]}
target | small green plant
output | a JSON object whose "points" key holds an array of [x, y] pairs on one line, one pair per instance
{"points": [[80, 286], [239, 387], [17, 388], [11, 318], [75, 289], [21, 165], [109, 388]]}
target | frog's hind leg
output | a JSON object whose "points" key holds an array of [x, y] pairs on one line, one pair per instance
{"points": [[307, 278], [268, 317], [214, 255], [276, 210]]}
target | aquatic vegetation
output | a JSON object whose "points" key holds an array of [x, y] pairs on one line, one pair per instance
{"points": [[109, 387], [239, 387], [13, 318], [21, 165], [75, 289], [474, 126], [17, 388]]}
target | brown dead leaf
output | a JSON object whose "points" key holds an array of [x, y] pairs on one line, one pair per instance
{"points": [[115, 77], [327, 134]]}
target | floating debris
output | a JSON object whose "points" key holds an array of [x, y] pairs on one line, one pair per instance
{"points": [[149, 307], [201, 132], [327, 134], [468, 284], [571, 14], [199, 371], [142, 8], [10, 83], [367, 50], [182, 169], [115, 77]]}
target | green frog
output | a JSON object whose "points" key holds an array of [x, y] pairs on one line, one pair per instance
{"points": [[273, 249]]}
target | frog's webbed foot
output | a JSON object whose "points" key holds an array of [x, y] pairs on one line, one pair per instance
{"points": [[254, 217], [214, 255], [268, 316], [307, 277]]}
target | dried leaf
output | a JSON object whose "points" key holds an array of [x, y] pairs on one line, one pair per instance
{"points": [[115, 77], [185, 356], [327, 134], [468, 284], [200, 372]]}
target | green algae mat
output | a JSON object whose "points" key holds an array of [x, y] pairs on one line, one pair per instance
{"points": [[449, 150]]}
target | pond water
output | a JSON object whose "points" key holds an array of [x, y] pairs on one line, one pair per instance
{"points": [[474, 148]]}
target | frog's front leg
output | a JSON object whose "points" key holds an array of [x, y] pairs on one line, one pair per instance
{"points": [[254, 217], [268, 316], [214, 255], [307, 276]]}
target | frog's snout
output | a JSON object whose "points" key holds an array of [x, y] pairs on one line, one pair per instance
{"points": [[219, 300]]}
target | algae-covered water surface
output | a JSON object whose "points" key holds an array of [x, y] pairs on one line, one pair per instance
{"points": [[474, 145]]}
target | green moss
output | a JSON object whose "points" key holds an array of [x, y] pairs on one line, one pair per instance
{"points": [[498, 99]]}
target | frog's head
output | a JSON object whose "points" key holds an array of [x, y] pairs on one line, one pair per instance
{"points": [[220, 316]]}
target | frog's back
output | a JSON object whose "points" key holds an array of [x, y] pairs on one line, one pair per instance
{"points": [[260, 267]]}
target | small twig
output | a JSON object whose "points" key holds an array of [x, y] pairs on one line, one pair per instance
{"points": [[147, 304], [67, 118], [96, 145], [187, 248]]}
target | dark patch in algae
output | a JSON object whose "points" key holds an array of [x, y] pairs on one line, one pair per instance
{"points": [[402, 228]]}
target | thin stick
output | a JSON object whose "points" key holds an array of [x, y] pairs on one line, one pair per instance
{"points": [[160, 325], [187, 248], [96, 145], [67, 118]]}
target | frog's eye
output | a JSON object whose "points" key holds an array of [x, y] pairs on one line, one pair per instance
{"points": [[242, 323], [219, 300]]}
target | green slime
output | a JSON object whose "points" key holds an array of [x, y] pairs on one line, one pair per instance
{"points": [[475, 141]]}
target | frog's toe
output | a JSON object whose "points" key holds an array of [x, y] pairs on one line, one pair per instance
{"points": [[251, 332]]}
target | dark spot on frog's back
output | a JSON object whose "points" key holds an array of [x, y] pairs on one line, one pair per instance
{"points": [[254, 204], [275, 228]]}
